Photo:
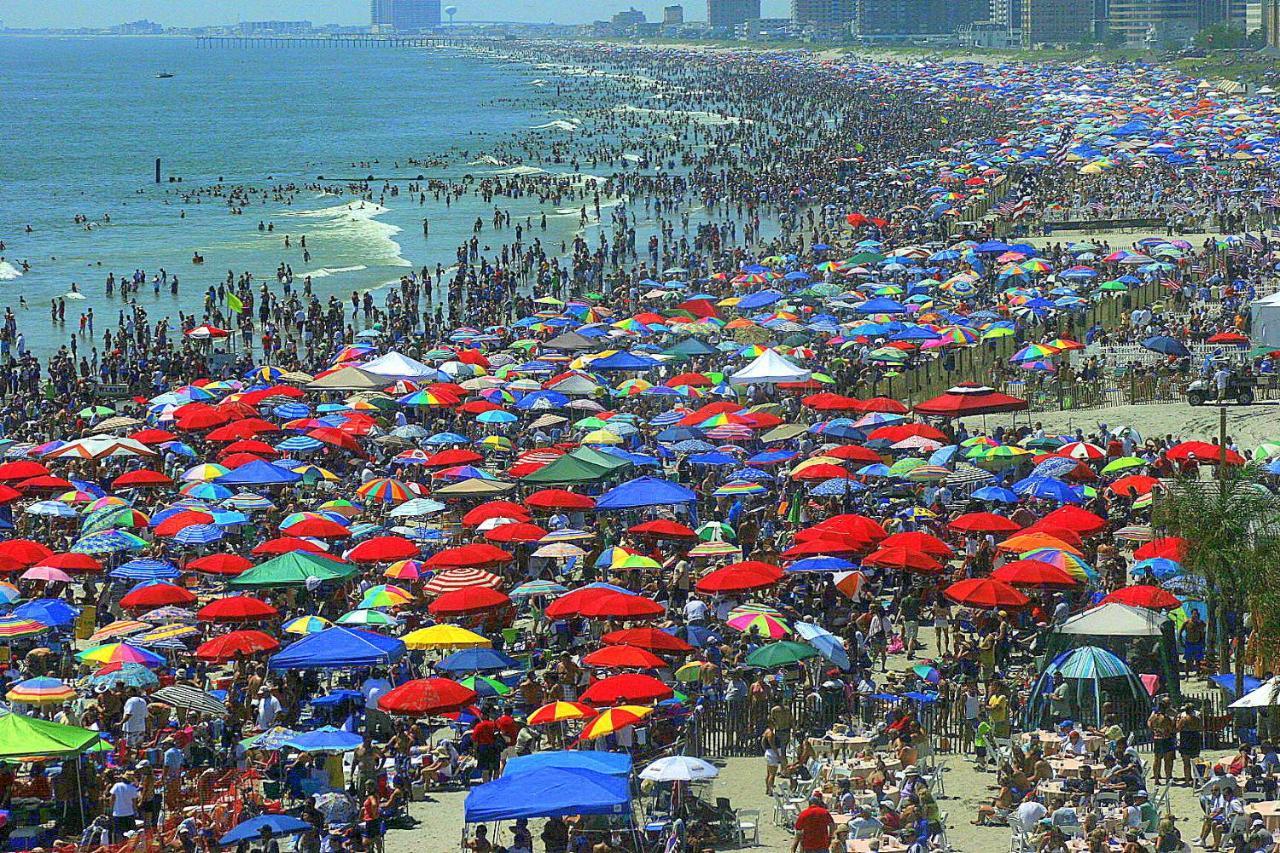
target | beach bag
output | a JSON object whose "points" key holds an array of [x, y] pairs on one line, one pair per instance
{"points": [[895, 644]]}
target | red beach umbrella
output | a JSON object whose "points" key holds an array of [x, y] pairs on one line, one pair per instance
{"points": [[629, 688], [423, 697], [647, 637], [466, 556], [520, 531], [470, 599], [1034, 573], [23, 553], [72, 562], [983, 522], [663, 528], [320, 528], [495, 509], [620, 605], [22, 469], [740, 577], [1144, 595], [623, 657], [1133, 485], [236, 608], [916, 540], [1204, 452], [220, 564], [559, 499], [171, 525], [141, 477], [1071, 517], [156, 595], [383, 549], [227, 647], [985, 593], [287, 544], [1169, 547], [903, 559]]}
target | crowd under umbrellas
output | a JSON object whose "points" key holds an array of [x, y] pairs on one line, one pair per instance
{"points": [[548, 560], [224, 590]]}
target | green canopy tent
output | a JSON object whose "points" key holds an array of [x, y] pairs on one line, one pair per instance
{"points": [[28, 737], [582, 465], [293, 569], [21, 737]]}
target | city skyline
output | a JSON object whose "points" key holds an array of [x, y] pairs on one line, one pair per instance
{"points": [[105, 13]]}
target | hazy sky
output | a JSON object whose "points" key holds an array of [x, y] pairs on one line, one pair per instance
{"points": [[97, 13]]}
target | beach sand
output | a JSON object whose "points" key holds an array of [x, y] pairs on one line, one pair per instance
{"points": [[741, 780]]}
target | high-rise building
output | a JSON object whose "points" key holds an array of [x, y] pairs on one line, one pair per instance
{"points": [[823, 14], [404, 16], [628, 18], [727, 14], [1156, 22], [1007, 13], [672, 15], [1269, 22], [1057, 21], [887, 20]]}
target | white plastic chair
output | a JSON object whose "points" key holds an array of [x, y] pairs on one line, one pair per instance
{"points": [[748, 823]]}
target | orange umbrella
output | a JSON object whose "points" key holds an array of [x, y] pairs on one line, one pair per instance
{"points": [[1024, 542]]}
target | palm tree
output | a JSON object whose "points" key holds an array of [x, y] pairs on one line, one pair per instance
{"points": [[1232, 531]]}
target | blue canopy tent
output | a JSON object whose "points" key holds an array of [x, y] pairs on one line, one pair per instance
{"points": [[608, 763], [338, 647], [549, 792], [643, 492]]}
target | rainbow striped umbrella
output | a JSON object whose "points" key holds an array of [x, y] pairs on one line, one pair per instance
{"points": [[40, 691], [103, 503], [758, 619], [119, 653], [1068, 562], [385, 490], [385, 595], [8, 593], [406, 570], [307, 625], [17, 626], [203, 473], [205, 491]]}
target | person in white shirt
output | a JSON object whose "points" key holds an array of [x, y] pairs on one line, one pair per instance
{"points": [[133, 719], [695, 610], [268, 709], [374, 688], [1029, 813], [124, 807]]}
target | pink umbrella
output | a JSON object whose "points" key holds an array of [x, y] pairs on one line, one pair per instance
{"points": [[46, 573]]}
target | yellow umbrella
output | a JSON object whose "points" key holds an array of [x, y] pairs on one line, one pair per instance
{"points": [[444, 637]]}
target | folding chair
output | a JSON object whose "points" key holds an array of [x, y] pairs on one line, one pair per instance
{"points": [[748, 823]]}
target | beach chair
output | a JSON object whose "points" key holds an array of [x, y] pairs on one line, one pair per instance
{"points": [[1018, 840], [868, 831], [785, 812], [944, 842], [748, 823], [1106, 799]]}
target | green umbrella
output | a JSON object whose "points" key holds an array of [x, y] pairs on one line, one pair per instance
{"points": [[483, 685], [903, 467], [781, 653], [95, 412], [1124, 463]]}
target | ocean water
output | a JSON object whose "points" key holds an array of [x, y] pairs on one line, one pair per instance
{"points": [[84, 119]]}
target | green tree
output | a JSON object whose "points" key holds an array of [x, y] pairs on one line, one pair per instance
{"points": [[1232, 530]]}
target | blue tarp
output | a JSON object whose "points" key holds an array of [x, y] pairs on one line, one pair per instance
{"points": [[260, 473], [339, 647], [646, 491], [549, 792], [1227, 681], [609, 763]]}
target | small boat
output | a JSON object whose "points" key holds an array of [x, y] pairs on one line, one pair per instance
{"points": [[164, 75]]}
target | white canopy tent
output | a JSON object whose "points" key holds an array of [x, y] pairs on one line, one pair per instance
{"points": [[769, 367], [1116, 620], [395, 366]]}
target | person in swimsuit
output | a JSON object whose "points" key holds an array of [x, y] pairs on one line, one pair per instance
{"points": [[1190, 739], [1164, 735]]}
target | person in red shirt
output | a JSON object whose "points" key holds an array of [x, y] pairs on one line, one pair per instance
{"points": [[508, 726], [814, 826], [484, 735]]}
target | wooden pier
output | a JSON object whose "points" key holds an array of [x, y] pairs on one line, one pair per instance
{"points": [[355, 40]]}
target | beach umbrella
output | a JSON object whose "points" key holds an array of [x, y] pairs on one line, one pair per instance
{"points": [[740, 577], [123, 675], [780, 654], [560, 712], [632, 688], [485, 686], [306, 625], [1143, 595], [983, 522], [228, 647], [444, 636], [1169, 547], [653, 639], [250, 831], [455, 579], [220, 564], [985, 593], [617, 605], [623, 657], [477, 659], [1033, 573], [1068, 562], [679, 768], [191, 699], [325, 739], [758, 620], [367, 618], [424, 697], [119, 653], [385, 595], [903, 559], [236, 608], [383, 549], [41, 691], [469, 599], [156, 594], [611, 720]]}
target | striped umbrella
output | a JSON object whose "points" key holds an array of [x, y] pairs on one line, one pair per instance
{"points": [[406, 570], [205, 491], [119, 628], [612, 719], [12, 627], [8, 593], [385, 595], [374, 618], [203, 473], [531, 589], [1065, 560], [559, 712], [1092, 662], [108, 542], [198, 534], [452, 579], [758, 619], [119, 653], [735, 488], [40, 691], [123, 674], [385, 490], [191, 699], [307, 625]]}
